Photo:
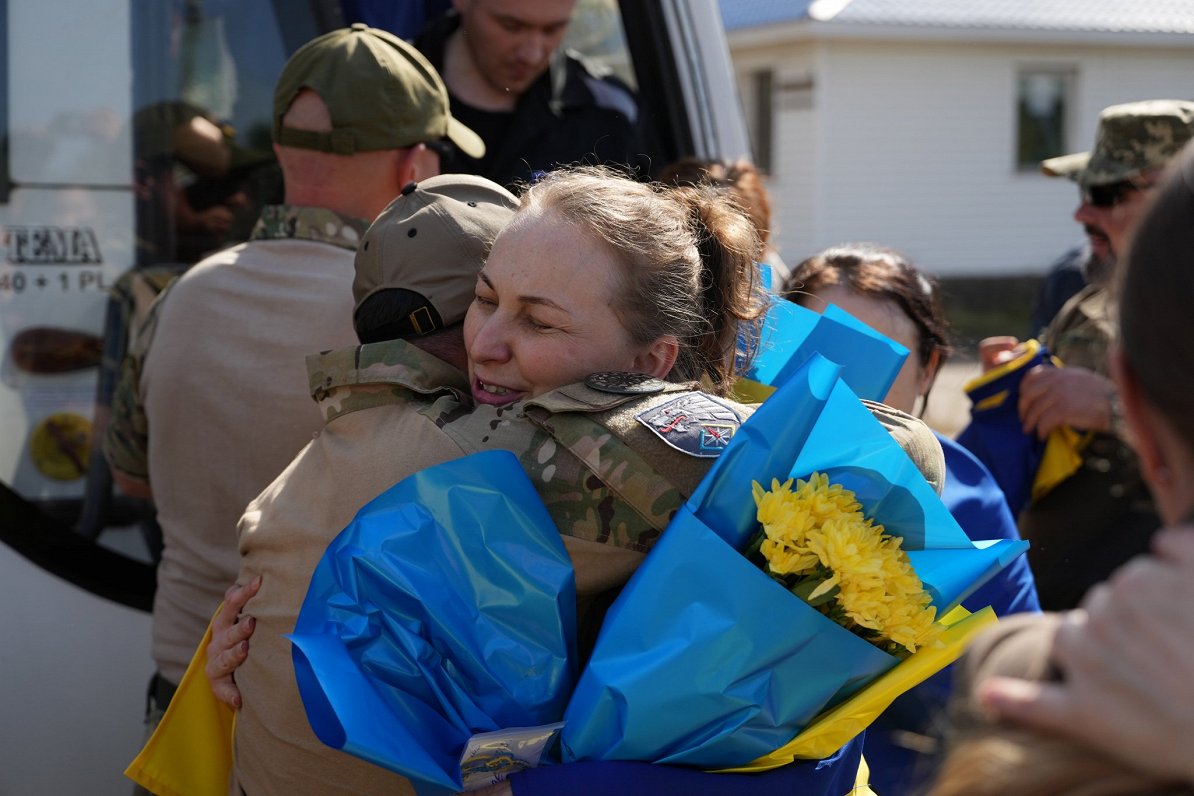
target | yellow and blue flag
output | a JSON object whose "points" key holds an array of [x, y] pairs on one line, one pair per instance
{"points": [[1025, 467]]}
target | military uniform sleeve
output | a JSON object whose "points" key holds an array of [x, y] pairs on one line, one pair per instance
{"points": [[126, 440]]}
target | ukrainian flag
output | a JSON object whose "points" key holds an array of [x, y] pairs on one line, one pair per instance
{"points": [[1025, 467]]}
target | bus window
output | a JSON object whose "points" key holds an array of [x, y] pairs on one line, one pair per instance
{"points": [[573, 110], [202, 96], [670, 55], [116, 186], [596, 32], [112, 192]]}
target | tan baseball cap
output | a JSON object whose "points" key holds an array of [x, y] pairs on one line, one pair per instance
{"points": [[380, 91], [1131, 139], [428, 245]]}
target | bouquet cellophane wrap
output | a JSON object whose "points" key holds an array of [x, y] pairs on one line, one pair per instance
{"points": [[792, 333], [704, 660], [1025, 467], [446, 608]]}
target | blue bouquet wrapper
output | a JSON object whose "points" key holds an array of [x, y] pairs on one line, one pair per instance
{"points": [[704, 660], [446, 608], [791, 333]]}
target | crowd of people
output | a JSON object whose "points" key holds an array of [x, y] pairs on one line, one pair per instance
{"points": [[473, 288]]}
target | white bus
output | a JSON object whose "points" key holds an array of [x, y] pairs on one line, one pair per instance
{"points": [[90, 177]]}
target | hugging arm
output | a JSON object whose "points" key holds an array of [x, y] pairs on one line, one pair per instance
{"points": [[229, 645]]}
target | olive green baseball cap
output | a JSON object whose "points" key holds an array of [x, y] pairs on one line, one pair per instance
{"points": [[1131, 138], [428, 246], [380, 92]]}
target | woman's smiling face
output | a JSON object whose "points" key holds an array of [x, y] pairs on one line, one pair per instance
{"points": [[543, 313]]}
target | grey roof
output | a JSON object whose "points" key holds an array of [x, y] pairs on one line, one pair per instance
{"points": [[1134, 16], [757, 13]]}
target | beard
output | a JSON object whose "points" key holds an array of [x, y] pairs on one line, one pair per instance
{"points": [[1098, 268]]}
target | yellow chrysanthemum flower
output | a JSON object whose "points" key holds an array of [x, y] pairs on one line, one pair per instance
{"points": [[817, 531]]}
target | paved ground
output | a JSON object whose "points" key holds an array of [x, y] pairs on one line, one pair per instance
{"points": [[949, 408]]}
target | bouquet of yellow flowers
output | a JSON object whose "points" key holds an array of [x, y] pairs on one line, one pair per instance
{"points": [[708, 659], [817, 543]]}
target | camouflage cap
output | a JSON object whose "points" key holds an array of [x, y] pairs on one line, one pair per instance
{"points": [[427, 246], [380, 91], [1131, 139]]}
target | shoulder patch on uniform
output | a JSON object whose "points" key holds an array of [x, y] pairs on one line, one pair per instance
{"points": [[620, 383], [693, 423]]}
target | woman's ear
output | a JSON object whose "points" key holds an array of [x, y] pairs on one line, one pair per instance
{"points": [[659, 358], [929, 373]]}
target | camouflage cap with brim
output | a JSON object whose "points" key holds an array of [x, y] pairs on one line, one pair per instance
{"points": [[1131, 139], [380, 92]]}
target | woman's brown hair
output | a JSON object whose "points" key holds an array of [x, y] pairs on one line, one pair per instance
{"points": [[688, 264], [879, 272], [739, 178]]}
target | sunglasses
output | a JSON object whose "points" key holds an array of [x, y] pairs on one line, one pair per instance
{"points": [[1110, 195]]}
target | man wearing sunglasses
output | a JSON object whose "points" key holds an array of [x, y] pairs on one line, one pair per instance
{"points": [[1103, 514]]}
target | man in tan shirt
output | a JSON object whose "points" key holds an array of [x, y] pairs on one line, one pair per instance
{"points": [[212, 403]]}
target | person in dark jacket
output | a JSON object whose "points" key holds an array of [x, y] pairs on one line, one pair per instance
{"points": [[535, 104]]}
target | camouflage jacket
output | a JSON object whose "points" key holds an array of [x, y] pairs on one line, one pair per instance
{"points": [[279, 222], [377, 374], [603, 476], [126, 437], [1081, 334], [603, 463]]}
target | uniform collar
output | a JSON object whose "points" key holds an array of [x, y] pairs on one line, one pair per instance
{"points": [[295, 222], [376, 366]]}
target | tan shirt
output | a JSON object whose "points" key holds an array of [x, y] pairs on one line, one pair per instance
{"points": [[284, 533], [226, 405], [596, 468]]}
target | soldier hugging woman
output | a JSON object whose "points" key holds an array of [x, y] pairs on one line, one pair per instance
{"points": [[600, 343]]}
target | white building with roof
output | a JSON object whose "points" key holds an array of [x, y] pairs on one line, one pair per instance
{"points": [[919, 124]]}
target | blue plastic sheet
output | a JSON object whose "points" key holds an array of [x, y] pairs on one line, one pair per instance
{"points": [[792, 333], [704, 660], [447, 607]]}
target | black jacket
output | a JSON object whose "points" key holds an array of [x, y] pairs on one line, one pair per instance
{"points": [[568, 115]]}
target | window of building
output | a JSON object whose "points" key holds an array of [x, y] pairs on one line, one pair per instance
{"points": [[1042, 109], [762, 121]]}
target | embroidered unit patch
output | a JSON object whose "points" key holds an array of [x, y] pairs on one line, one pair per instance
{"points": [[624, 383], [693, 423]]}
